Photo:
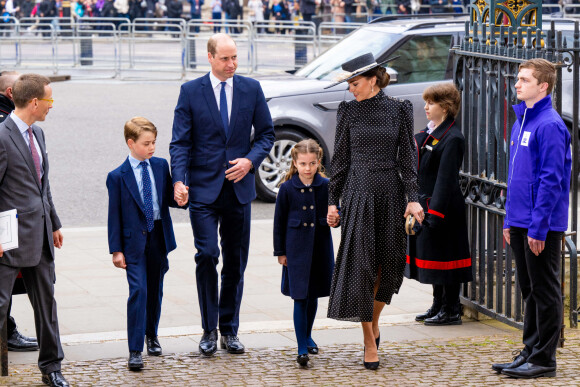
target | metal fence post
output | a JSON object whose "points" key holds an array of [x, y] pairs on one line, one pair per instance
{"points": [[4, 347]]}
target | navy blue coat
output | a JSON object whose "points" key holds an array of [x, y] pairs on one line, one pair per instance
{"points": [[302, 234], [127, 225]]}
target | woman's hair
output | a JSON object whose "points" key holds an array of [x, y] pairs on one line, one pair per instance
{"points": [[303, 147], [383, 77], [446, 95]]}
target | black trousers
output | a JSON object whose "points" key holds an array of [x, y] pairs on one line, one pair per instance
{"points": [[539, 279], [447, 296]]}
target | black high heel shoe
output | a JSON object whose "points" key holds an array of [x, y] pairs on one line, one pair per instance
{"points": [[378, 341], [370, 365], [302, 359]]}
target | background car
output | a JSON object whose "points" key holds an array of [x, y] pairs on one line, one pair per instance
{"points": [[302, 108]]}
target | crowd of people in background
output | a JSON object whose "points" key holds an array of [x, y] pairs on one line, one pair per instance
{"points": [[254, 10]]}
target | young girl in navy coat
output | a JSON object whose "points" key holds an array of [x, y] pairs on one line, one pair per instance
{"points": [[302, 240]]}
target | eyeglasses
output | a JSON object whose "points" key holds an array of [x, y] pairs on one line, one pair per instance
{"points": [[49, 100]]}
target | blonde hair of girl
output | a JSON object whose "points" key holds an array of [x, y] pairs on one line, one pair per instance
{"points": [[303, 147]]}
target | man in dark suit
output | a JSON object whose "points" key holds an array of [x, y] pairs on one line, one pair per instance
{"points": [[16, 341], [24, 186], [212, 152]]}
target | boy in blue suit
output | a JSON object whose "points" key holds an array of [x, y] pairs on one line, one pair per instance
{"points": [[141, 233]]}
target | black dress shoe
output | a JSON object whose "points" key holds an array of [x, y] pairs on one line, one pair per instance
{"points": [[431, 312], [135, 361], [530, 371], [517, 361], [302, 359], [208, 343], [19, 343], [312, 350], [232, 344], [54, 379], [153, 346], [444, 318]]}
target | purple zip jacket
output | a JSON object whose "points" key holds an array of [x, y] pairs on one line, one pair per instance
{"points": [[539, 171]]}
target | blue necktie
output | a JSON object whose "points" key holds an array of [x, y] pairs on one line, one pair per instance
{"points": [[224, 108], [147, 195]]}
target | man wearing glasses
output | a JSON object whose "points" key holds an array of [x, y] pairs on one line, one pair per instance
{"points": [[16, 341], [24, 186]]}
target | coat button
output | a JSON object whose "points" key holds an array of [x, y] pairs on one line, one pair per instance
{"points": [[311, 207], [311, 224], [302, 190], [305, 224], [224, 165], [304, 207], [310, 189], [144, 232]]}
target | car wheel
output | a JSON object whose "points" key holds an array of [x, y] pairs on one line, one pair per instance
{"points": [[276, 164]]}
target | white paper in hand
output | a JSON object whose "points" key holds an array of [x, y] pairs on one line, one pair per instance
{"points": [[9, 230]]}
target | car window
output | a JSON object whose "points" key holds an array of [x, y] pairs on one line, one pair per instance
{"points": [[422, 59], [328, 65]]}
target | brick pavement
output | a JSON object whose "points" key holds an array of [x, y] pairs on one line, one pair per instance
{"points": [[449, 362]]}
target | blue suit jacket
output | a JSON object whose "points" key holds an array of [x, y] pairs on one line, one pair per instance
{"points": [[127, 225], [200, 152]]}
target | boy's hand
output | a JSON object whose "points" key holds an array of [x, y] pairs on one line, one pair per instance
{"points": [[282, 260], [240, 169], [119, 260], [57, 238], [180, 193]]}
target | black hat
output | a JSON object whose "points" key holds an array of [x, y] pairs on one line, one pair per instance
{"points": [[357, 66]]}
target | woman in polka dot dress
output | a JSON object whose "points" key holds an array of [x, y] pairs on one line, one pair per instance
{"points": [[374, 176]]}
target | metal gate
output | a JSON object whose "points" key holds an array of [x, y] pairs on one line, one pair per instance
{"points": [[500, 36]]}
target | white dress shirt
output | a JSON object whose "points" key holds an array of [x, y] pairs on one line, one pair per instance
{"points": [[217, 88]]}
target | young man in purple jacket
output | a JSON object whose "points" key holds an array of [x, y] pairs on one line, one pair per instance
{"points": [[537, 215]]}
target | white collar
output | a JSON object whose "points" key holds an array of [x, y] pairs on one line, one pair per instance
{"points": [[22, 126], [215, 82]]}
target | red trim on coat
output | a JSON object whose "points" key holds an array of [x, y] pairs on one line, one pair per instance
{"points": [[436, 213], [19, 274], [437, 265]]}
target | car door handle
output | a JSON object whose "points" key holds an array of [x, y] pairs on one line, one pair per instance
{"points": [[327, 106]]}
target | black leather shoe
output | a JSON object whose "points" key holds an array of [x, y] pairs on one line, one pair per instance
{"points": [[431, 312], [303, 359], [208, 343], [232, 344], [312, 350], [153, 346], [54, 379], [135, 361], [444, 318], [518, 360], [20, 343], [530, 371]]}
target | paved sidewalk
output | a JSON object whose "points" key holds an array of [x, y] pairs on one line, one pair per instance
{"points": [[448, 362], [92, 295]]}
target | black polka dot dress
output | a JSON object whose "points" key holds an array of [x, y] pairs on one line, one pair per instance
{"points": [[373, 175]]}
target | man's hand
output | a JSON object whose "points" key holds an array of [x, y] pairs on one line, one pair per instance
{"points": [[57, 238], [417, 211], [282, 260], [536, 246], [1, 251], [506, 235], [180, 193], [119, 260], [240, 168]]}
